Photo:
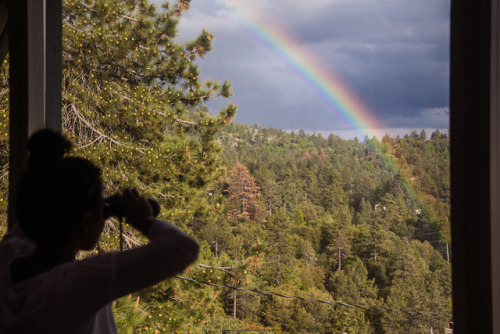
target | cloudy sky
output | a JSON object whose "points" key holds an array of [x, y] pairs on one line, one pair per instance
{"points": [[391, 55]]}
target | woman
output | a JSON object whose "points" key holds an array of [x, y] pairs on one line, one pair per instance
{"points": [[60, 212]]}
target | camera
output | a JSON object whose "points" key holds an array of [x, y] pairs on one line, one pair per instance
{"points": [[114, 209]]}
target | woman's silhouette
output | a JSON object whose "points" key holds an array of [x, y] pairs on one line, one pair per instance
{"points": [[59, 207]]}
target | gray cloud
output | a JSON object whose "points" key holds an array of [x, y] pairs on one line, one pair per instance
{"points": [[393, 54]]}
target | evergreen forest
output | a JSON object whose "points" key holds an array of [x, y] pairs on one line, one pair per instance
{"points": [[299, 233]]}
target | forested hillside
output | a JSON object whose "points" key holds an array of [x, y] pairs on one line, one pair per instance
{"points": [[356, 231], [364, 223]]}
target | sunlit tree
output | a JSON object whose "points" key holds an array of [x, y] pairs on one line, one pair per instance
{"points": [[133, 101], [243, 193]]}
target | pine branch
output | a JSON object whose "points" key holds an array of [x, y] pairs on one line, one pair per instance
{"points": [[88, 125], [95, 11], [100, 136], [201, 97]]}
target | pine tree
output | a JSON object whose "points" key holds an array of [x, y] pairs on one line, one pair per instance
{"points": [[243, 194], [279, 254], [338, 233], [133, 101], [408, 289], [298, 219], [353, 286], [423, 135]]}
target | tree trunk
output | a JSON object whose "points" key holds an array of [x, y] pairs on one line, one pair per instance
{"points": [[234, 304], [340, 259], [278, 274], [216, 247]]}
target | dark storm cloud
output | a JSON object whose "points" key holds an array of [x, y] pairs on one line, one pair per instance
{"points": [[369, 21], [393, 54]]}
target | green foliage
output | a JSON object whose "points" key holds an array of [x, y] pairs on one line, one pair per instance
{"points": [[128, 314], [297, 316], [134, 104], [352, 284], [363, 222]]}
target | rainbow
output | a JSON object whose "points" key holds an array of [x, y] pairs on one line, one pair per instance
{"points": [[335, 94]]}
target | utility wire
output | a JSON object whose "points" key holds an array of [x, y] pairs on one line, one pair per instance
{"points": [[376, 249], [380, 324], [405, 236], [420, 235], [435, 315]]}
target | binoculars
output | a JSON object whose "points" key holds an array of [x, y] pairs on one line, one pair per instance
{"points": [[113, 209]]}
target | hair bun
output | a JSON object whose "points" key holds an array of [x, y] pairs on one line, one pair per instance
{"points": [[46, 148]]}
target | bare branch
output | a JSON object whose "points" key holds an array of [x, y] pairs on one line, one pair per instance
{"points": [[129, 239], [221, 268], [224, 269], [177, 299], [128, 18], [183, 122], [84, 121]]}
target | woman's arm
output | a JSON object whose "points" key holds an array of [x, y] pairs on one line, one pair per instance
{"points": [[169, 252], [86, 286]]}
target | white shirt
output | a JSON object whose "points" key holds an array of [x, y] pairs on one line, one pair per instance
{"points": [[76, 297]]}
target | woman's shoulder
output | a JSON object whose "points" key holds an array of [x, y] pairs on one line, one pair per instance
{"points": [[15, 244]]}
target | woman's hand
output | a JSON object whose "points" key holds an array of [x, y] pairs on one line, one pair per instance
{"points": [[137, 210]]}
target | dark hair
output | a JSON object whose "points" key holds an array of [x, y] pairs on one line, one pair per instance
{"points": [[55, 190]]}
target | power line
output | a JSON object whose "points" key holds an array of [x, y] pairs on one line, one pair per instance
{"points": [[405, 236], [420, 235], [435, 315], [376, 249], [380, 324]]}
